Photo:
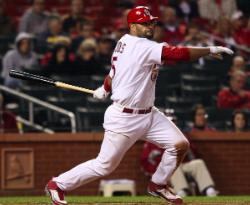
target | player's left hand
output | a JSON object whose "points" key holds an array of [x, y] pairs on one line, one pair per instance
{"points": [[100, 93], [216, 51]]}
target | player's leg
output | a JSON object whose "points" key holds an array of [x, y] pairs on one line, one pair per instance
{"points": [[166, 135], [113, 148], [198, 170]]}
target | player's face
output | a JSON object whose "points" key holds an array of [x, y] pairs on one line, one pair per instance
{"points": [[145, 30]]}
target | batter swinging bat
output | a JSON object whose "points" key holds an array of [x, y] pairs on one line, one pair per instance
{"points": [[49, 81]]}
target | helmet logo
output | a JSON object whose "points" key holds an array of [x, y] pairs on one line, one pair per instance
{"points": [[138, 13], [147, 12]]}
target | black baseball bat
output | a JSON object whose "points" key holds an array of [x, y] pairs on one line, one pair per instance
{"points": [[28, 76], [48, 81]]}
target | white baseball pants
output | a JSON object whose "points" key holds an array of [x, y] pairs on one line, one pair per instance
{"points": [[122, 130]]}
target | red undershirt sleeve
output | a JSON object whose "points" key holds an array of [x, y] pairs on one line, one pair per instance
{"points": [[174, 53], [107, 84]]}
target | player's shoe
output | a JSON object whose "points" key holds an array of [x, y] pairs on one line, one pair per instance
{"points": [[164, 192], [55, 193]]}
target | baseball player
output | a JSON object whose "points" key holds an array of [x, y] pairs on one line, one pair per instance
{"points": [[132, 116]]}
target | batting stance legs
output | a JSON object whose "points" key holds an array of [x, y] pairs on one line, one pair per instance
{"points": [[157, 129]]}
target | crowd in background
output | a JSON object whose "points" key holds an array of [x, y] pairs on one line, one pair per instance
{"points": [[71, 40], [63, 37]]}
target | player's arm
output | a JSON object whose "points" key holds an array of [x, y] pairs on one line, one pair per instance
{"points": [[103, 91], [174, 53]]}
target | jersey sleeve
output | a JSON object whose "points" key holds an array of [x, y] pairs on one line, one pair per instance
{"points": [[152, 51]]}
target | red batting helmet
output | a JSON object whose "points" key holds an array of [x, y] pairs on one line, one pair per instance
{"points": [[140, 14]]}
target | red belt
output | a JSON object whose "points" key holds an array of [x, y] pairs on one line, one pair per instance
{"points": [[144, 111]]}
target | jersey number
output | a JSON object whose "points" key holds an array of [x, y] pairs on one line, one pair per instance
{"points": [[114, 58], [154, 72]]}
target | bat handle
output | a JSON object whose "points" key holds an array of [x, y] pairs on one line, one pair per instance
{"points": [[73, 87]]}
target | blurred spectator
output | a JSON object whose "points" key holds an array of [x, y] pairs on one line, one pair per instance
{"points": [[238, 64], [155, 6], [35, 19], [46, 39], [235, 96], [86, 62], [8, 123], [159, 33], [239, 121], [197, 170], [200, 117], [191, 166], [20, 58], [87, 31], [60, 62], [238, 23], [72, 22], [123, 19], [174, 31], [244, 6], [224, 31], [194, 37], [105, 48], [215, 9], [120, 29], [6, 24], [246, 34], [185, 9]]}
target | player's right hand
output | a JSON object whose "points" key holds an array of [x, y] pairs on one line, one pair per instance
{"points": [[216, 51], [100, 93], [220, 49]]}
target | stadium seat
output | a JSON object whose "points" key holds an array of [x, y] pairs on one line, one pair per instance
{"points": [[168, 76], [96, 81], [82, 80], [164, 91], [193, 80], [40, 91], [219, 118], [205, 93], [182, 107], [160, 101], [109, 187], [247, 86], [181, 102], [219, 68], [69, 104], [202, 70], [5, 44], [89, 119]]}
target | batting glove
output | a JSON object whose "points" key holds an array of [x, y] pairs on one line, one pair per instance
{"points": [[100, 93], [220, 49]]}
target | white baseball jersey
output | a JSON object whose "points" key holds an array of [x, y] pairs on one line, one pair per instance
{"points": [[134, 71]]}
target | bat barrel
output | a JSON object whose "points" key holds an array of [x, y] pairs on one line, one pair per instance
{"points": [[27, 76]]}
